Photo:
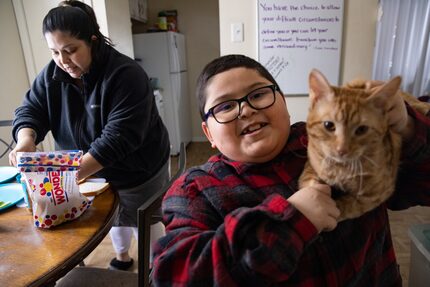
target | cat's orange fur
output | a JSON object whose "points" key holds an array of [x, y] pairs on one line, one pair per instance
{"points": [[350, 144], [422, 107]]}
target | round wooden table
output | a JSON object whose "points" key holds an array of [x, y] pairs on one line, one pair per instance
{"points": [[31, 256]]}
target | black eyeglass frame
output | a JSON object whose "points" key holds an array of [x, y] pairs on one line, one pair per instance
{"points": [[273, 87]]}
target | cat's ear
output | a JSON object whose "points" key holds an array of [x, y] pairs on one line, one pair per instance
{"points": [[383, 94], [319, 87]]}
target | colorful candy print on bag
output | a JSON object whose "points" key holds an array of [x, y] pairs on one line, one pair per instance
{"points": [[49, 161], [50, 178]]}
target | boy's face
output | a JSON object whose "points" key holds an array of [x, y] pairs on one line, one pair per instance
{"points": [[257, 135]]}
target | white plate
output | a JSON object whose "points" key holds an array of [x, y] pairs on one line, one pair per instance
{"points": [[7, 173], [11, 192]]}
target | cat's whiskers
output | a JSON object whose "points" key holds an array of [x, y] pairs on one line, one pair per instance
{"points": [[352, 169], [326, 162], [356, 170], [354, 166], [370, 160]]}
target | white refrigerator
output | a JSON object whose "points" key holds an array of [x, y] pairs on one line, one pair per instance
{"points": [[162, 56]]}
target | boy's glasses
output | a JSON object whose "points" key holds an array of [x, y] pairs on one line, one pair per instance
{"points": [[258, 99]]}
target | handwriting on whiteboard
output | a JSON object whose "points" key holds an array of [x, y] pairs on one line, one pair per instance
{"points": [[295, 36]]}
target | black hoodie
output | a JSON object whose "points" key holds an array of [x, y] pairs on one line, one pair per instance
{"points": [[113, 117]]}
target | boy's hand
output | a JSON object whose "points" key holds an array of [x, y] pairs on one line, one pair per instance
{"points": [[316, 204]]}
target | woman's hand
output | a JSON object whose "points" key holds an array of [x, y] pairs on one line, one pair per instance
{"points": [[22, 146], [26, 143], [89, 166], [316, 204]]}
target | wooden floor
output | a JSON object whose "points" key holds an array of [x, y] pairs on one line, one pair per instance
{"points": [[198, 153]]}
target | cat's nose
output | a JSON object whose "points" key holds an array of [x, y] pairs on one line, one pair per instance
{"points": [[341, 150]]}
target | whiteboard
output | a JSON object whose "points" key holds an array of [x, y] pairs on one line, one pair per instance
{"points": [[295, 36]]}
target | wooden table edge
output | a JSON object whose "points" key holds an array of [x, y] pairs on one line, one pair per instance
{"points": [[55, 274]]}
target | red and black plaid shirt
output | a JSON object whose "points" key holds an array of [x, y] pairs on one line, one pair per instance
{"points": [[229, 224]]}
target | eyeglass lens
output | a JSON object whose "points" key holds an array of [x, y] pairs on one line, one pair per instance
{"points": [[258, 99]]}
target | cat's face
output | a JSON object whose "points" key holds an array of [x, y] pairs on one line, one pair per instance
{"points": [[346, 124]]}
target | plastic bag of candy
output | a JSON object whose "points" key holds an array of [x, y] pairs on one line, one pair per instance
{"points": [[50, 178]]}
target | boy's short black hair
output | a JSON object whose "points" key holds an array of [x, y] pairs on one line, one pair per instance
{"points": [[223, 64]]}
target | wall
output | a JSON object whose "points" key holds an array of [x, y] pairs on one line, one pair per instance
{"points": [[198, 20], [358, 41], [111, 15], [13, 76]]}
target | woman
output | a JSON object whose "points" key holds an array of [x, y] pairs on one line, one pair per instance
{"points": [[93, 98]]}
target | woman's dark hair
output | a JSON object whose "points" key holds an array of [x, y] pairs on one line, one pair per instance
{"points": [[223, 64], [79, 20]]}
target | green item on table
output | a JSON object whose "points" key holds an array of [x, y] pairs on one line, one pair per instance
{"points": [[4, 203]]}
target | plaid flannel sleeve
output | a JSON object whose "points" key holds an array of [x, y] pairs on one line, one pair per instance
{"points": [[413, 180], [257, 245]]}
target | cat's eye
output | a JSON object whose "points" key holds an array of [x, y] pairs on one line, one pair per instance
{"points": [[329, 126], [361, 130]]}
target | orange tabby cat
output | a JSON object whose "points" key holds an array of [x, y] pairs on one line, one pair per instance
{"points": [[351, 147], [421, 107]]}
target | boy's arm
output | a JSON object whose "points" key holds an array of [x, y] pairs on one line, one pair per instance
{"points": [[257, 245], [413, 181]]}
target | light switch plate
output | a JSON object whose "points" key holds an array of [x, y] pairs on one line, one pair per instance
{"points": [[237, 32]]}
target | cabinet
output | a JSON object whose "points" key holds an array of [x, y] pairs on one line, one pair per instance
{"points": [[139, 10]]}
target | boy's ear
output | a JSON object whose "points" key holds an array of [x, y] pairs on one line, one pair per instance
{"points": [[207, 133]]}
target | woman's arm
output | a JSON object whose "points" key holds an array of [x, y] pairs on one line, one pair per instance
{"points": [[89, 166], [33, 113], [26, 139]]}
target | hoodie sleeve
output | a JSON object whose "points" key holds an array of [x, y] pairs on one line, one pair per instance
{"points": [[33, 113]]}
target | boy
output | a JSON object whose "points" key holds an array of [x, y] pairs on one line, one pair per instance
{"points": [[239, 220]]}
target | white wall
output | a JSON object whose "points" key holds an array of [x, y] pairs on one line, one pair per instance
{"points": [[13, 77], [29, 15], [358, 41], [113, 17]]}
